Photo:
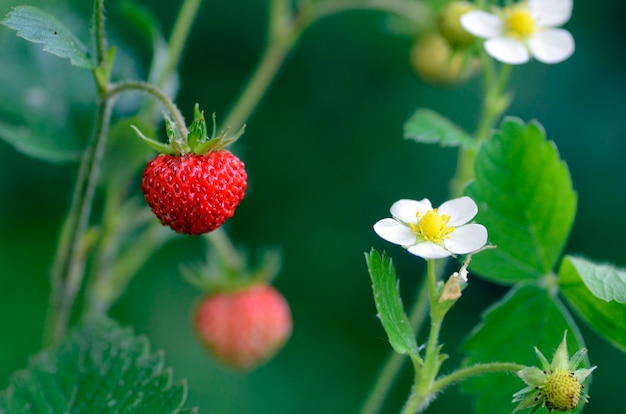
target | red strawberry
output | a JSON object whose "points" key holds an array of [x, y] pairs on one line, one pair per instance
{"points": [[194, 194], [245, 328]]}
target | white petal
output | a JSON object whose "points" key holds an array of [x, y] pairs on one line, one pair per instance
{"points": [[405, 210], [551, 46], [429, 250], [507, 50], [466, 239], [482, 24], [461, 210], [394, 232], [550, 13]]}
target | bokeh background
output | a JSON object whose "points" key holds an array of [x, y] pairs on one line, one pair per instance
{"points": [[326, 159]]}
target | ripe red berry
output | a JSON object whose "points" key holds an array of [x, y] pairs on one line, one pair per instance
{"points": [[244, 328], [194, 194]]}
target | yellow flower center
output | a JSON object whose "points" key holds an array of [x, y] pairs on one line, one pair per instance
{"points": [[432, 226], [561, 391], [520, 22]]}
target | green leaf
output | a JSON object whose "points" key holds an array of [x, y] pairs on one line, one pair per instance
{"points": [[99, 368], [38, 144], [431, 128], [38, 26], [606, 317], [526, 317], [389, 304], [525, 199], [603, 280]]}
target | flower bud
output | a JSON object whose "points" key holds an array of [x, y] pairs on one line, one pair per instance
{"points": [[434, 61], [450, 24]]}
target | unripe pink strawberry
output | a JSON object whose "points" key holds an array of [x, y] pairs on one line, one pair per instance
{"points": [[244, 328]]}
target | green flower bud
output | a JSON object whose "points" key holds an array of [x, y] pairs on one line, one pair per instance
{"points": [[450, 24], [434, 61]]}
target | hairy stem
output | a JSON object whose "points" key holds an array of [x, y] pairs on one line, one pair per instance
{"points": [[69, 266], [495, 104], [98, 21], [473, 371], [158, 94], [394, 362]]}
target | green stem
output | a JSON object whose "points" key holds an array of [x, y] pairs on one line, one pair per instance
{"points": [[99, 20], [225, 250], [473, 371], [394, 362], [426, 374], [113, 269], [494, 104], [69, 266], [416, 12], [266, 71], [284, 32], [111, 280], [178, 37], [158, 94]]}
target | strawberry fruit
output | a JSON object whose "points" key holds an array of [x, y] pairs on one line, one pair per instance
{"points": [[195, 184], [194, 194], [244, 328]]}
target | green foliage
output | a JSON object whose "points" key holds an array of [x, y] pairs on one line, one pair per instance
{"points": [[603, 280], [37, 26], [596, 292], [99, 368], [527, 317], [37, 144], [525, 199], [389, 305], [429, 127]]}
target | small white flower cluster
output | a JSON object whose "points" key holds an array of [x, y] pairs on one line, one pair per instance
{"points": [[527, 29]]}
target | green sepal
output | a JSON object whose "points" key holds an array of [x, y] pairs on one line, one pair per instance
{"points": [[218, 141], [156, 145], [177, 142], [228, 269], [197, 130]]}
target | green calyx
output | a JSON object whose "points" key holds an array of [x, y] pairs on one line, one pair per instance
{"points": [[228, 269], [192, 140]]}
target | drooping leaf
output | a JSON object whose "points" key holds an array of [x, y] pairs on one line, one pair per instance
{"points": [[37, 26], [389, 304], [606, 316], [38, 144], [431, 128], [525, 199], [526, 317], [99, 368]]}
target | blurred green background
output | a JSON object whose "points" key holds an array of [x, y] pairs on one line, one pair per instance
{"points": [[326, 159]]}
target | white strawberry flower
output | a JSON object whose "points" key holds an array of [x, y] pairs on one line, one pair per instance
{"points": [[433, 233], [524, 30]]}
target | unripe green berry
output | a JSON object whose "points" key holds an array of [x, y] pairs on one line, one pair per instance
{"points": [[561, 391], [434, 61], [450, 24]]}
